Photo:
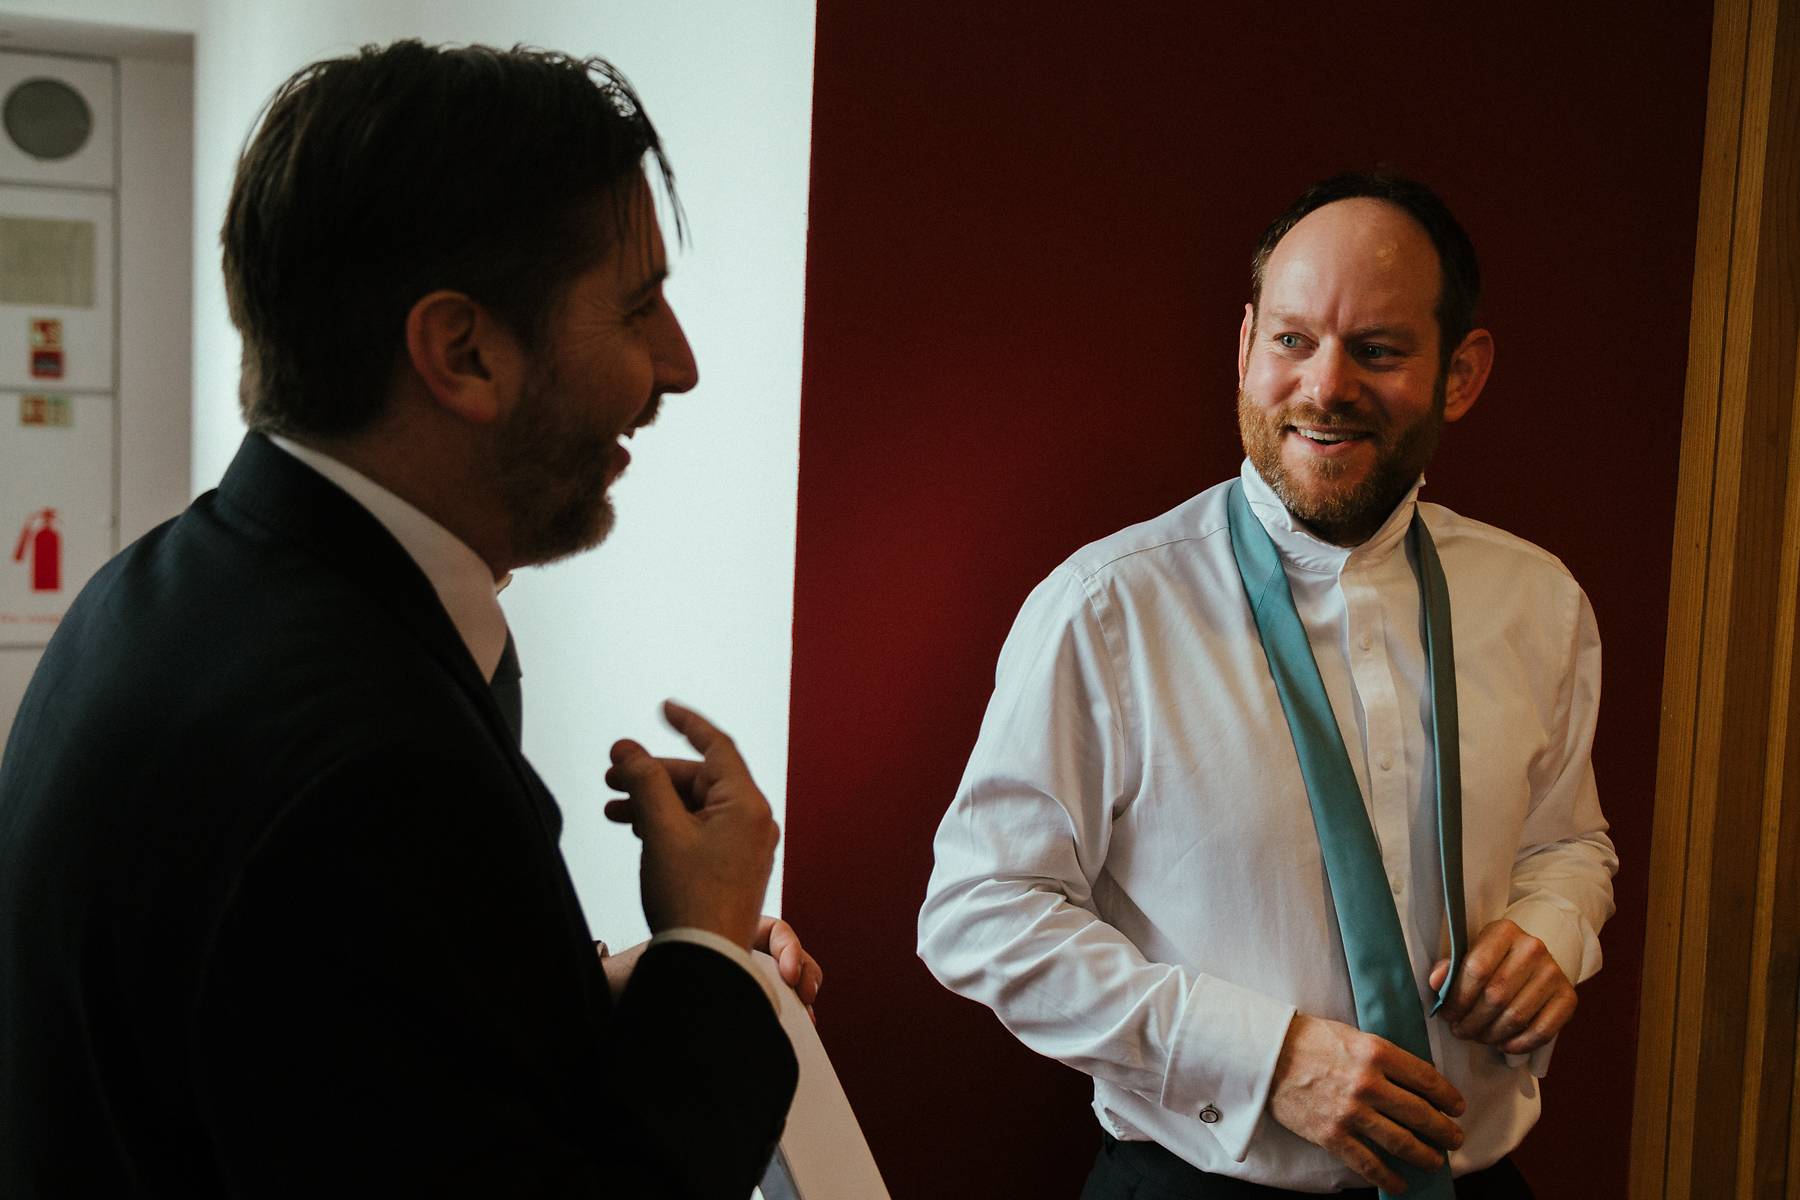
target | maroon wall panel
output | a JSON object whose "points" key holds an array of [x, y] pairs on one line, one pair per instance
{"points": [[1030, 231]]}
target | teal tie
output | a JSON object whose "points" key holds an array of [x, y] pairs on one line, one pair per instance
{"points": [[1387, 999]]}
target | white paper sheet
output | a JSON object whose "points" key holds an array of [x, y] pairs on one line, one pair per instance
{"points": [[823, 1155]]}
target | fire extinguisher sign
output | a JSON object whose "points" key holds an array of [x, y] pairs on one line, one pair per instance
{"points": [[33, 601], [41, 545], [56, 502]]}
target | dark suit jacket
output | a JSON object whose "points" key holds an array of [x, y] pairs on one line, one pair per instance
{"points": [[282, 909]]}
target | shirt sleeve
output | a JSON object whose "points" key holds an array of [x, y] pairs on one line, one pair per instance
{"points": [[1561, 889], [1010, 917]]}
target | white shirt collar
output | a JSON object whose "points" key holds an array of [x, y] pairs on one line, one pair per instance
{"points": [[1305, 549], [464, 583]]}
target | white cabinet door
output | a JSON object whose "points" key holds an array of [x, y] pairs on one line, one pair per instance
{"points": [[56, 289]]}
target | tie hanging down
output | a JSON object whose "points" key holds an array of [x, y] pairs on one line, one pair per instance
{"points": [[1381, 981]]}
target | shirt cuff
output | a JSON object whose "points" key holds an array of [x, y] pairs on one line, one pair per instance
{"points": [[725, 946], [1537, 1063], [1223, 1060], [1565, 936], [1562, 931]]}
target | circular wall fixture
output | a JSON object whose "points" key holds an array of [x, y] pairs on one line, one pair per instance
{"points": [[47, 119]]}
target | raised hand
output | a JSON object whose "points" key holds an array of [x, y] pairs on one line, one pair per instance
{"points": [[709, 838]]}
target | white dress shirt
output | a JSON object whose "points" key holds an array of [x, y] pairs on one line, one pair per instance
{"points": [[467, 589], [1129, 874]]}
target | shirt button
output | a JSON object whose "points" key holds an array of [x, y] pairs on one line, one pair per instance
{"points": [[1209, 1115], [1399, 885], [1365, 641], [1387, 761]]}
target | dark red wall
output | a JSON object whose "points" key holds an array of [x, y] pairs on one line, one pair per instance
{"points": [[1030, 231]]}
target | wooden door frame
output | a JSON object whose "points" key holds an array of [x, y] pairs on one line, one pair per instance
{"points": [[1715, 1110]]}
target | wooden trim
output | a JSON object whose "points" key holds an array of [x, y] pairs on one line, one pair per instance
{"points": [[1716, 1081], [1769, 1033], [1687, 605]]}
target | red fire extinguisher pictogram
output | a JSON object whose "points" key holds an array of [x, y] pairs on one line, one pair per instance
{"points": [[45, 548]]}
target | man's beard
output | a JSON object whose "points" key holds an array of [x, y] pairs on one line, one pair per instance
{"points": [[554, 471], [1349, 513]]}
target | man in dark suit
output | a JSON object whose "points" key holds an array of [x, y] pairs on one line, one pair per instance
{"points": [[282, 909]]}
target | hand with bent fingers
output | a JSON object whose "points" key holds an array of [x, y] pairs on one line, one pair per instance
{"points": [[799, 970], [1510, 993], [709, 838], [1353, 1094]]}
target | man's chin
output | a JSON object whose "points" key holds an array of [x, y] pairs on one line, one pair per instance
{"points": [[572, 531], [1339, 503], [596, 526], [1316, 484]]}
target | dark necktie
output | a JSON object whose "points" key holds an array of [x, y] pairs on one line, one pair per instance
{"points": [[505, 686], [1381, 981]]}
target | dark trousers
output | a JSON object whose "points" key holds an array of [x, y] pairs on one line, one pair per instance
{"points": [[1145, 1171]]}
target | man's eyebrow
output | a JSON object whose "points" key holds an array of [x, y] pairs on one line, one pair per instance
{"points": [[647, 288], [1383, 333], [1277, 319]]}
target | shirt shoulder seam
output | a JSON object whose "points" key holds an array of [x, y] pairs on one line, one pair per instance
{"points": [[1087, 572]]}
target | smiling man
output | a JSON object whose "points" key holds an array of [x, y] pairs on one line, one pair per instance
{"points": [[282, 908], [1281, 823]]}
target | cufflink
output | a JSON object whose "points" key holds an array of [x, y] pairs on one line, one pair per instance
{"points": [[1209, 1115]]}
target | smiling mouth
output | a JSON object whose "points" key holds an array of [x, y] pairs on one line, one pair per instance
{"points": [[1329, 437]]}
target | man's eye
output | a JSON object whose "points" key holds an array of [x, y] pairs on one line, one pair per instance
{"points": [[646, 307], [1372, 351], [1288, 341]]}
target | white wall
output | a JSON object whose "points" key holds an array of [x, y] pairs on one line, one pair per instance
{"points": [[692, 596], [156, 291], [155, 16]]}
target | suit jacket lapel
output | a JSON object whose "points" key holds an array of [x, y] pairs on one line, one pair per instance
{"points": [[293, 502]]}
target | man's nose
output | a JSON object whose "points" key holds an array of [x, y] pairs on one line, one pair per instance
{"points": [[1331, 376], [676, 370]]}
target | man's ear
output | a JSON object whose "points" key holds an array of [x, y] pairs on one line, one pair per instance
{"points": [[1245, 332], [1468, 373], [470, 364]]}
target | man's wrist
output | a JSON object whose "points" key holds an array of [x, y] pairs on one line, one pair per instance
{"points": [[1559, 930]]}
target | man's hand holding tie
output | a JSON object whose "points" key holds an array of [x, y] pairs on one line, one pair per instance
{"points": [[1352, 1093], [1510, 993]]}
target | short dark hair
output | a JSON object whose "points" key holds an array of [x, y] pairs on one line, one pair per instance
{"points": [[379, 177], [1459, 274]]}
